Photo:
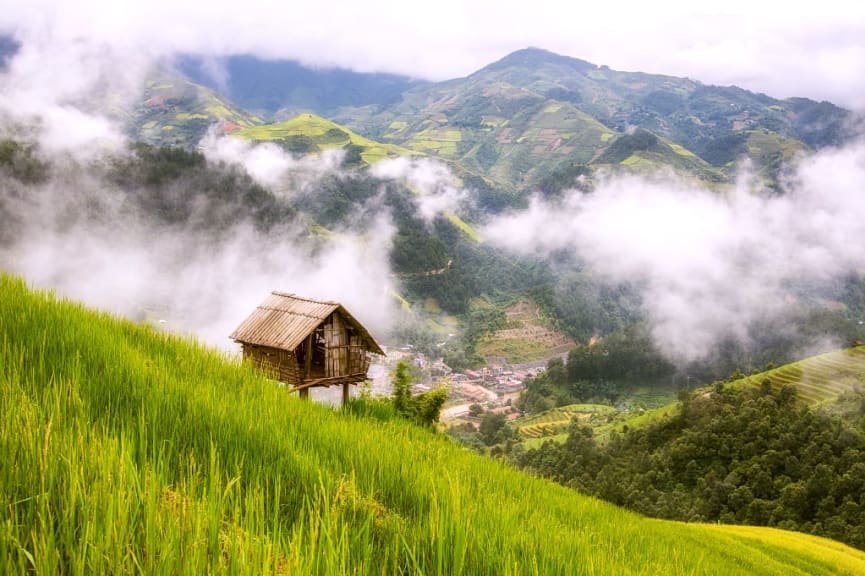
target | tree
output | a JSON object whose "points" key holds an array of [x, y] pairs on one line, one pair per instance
{"points": [[401, 388], [423, 409], [494, 429]]}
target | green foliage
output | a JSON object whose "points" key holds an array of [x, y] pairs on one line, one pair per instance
{"points": [[569, 177], [724, 149], [750, 456], [126, 451], [299, 144], [423, 409], [353, 155], [175, 186], [494, 429], [21, 161], [602, 372], [401, 382], [627, 144], [664, 102], [416, 250]]}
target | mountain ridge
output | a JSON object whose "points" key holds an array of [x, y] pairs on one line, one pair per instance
{"points": [[518, 120]]}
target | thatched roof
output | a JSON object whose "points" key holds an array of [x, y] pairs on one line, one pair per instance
{"points": [[285, 320]]}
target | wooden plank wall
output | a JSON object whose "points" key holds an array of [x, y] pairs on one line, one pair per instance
{"points": [[336, 360], [277, 364], [346, 354]]}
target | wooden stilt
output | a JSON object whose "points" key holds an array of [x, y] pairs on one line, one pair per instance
{"points": [[345, 394]]}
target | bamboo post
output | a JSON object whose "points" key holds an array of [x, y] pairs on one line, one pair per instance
{"points": [[304, 392]]}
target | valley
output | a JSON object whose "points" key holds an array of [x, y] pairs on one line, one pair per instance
{"points": [[622, 315]]}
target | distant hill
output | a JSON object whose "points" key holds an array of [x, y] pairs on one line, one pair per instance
{"points": [[308, 133], [278, 89], [172, 111], [8, 48], [818, 379]]}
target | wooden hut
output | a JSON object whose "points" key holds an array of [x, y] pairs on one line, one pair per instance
{"points": [[306, 343]]}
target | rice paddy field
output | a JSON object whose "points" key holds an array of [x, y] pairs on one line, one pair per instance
{"points": [[818, 379], [557, 420], [127, 451], [324, 134]]}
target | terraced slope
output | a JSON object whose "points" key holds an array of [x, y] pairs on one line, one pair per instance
{"points": [[557, 420], [173, 111], [308, 133], [528, 336], [126, 451], [817, 379]]}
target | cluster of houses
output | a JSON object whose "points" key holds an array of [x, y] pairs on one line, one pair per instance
{"points": [[499, 376]]}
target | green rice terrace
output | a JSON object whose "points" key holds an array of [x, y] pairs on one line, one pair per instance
{"points": [[557, 420], [310, 133], [817, 379], [128, 451]]}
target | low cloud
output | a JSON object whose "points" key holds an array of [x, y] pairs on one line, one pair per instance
{"points": [[708, 263], [798, 51], [271, 166], [79, 236], [437, 189]]}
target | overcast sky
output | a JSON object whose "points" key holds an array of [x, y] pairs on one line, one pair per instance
{"points": [[814, 49]]}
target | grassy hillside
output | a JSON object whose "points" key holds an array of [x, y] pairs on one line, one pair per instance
{"points": [[173, 111], [310, 133], [127, 451], [527, 335], [643, 151]]}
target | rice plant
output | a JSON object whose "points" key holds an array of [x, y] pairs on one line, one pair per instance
{"points": [[127, 451]]}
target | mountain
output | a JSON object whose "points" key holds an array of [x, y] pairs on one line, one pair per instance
{"points": [[529, 117], [534, 111], [8, 48], [149, 453], [308, 133], [173, 111], [283, 88]]}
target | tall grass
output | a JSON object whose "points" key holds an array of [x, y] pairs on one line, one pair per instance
{"points": [[127, 451]]}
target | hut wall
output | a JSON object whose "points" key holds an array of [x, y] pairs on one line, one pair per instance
{"points": [[358, 359], [334, 337], [345, 351], [277, 364]]}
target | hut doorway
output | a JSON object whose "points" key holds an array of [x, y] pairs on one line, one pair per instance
{"points": [[316, 366]]}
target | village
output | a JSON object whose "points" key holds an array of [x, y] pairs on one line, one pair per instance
{"points": [[494, 387]]}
